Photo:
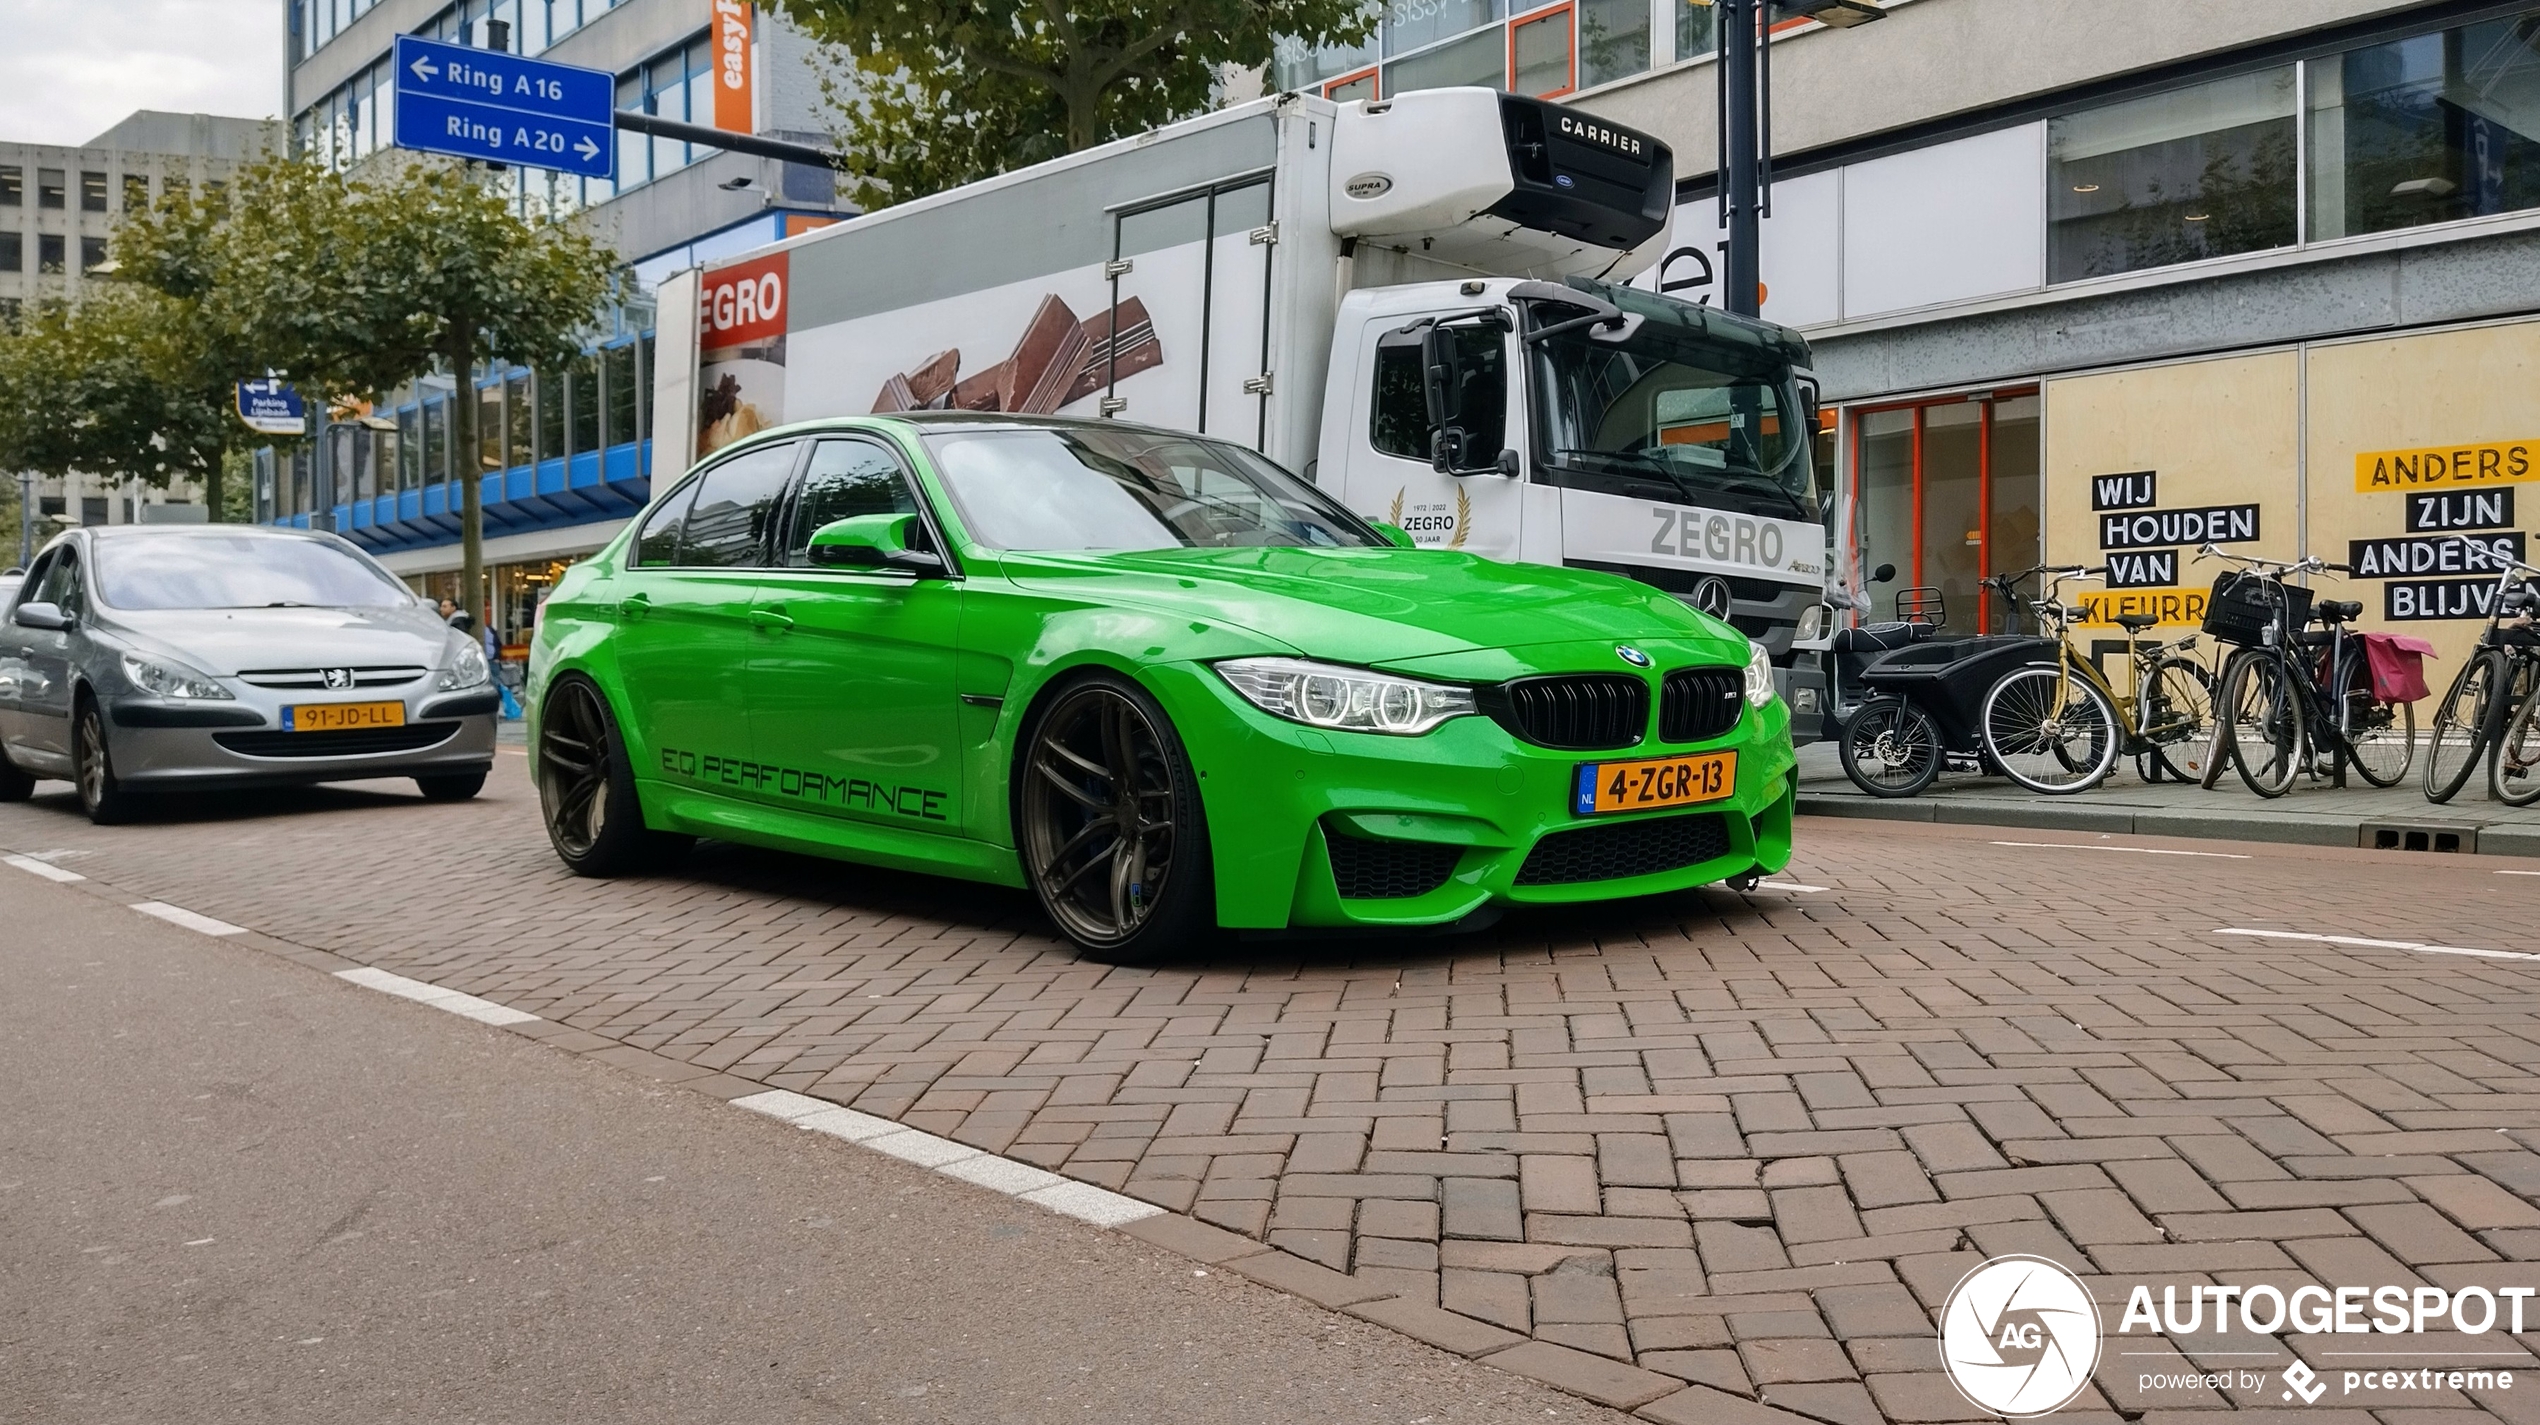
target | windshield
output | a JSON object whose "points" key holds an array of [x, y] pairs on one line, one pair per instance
{"points": [[1077, 488], [238, 571], [1664, 412]]}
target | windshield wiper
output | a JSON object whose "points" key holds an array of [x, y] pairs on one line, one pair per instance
{"points": [[1693, 496]]}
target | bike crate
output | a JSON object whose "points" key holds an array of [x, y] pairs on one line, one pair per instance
{"points": [[1949, 679], [2240, 609]]}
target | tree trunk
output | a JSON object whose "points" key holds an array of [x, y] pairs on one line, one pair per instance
{"points": [[469, 462], [212, 489]]}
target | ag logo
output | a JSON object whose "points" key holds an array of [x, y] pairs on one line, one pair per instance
{"points": [[1712, 596], [337, 677], [2019, 1337]]}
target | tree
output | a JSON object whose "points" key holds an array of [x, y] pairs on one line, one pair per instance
{"points": [[116, 385], [353, 285], [944, 91]]}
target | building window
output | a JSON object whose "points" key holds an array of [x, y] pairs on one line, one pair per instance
{"points": [[48, 252], [409, 448], [2195, 173], [1695, 31], [518, 416], [12, 252], [1479, 58], [1613, 40], [582, 402], [92, 191], [676, 84], [12, 186], [489, 427], [136, 192], [550, 415], [49, 191], [92, 253], [436, 441], [2427, 129]]}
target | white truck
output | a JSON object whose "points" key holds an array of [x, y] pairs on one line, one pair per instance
{"points": [[1420, 303]]}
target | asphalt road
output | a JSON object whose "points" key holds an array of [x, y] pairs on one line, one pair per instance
{"points": [[235, 1189]]}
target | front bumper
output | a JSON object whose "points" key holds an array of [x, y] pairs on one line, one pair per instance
{"points": [[1465, 818], [164, 746]]}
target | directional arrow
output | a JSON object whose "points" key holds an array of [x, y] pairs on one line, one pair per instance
{"points": [[423, 67], [587, 149]]}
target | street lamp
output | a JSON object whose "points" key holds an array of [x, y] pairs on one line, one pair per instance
{"points": [[1746, 127]]}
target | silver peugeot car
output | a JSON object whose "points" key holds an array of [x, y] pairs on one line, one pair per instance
{"points": [[150, 658]]}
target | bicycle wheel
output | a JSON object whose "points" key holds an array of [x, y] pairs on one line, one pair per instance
{"points": [[2461, 726], [2050, 730], [2176, 715], [2222, 751], [2381, 738], [2265, 715], [2513, 757], [1891, 748]]}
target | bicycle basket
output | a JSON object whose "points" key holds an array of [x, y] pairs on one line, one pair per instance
{"points": [[2241, 607]]}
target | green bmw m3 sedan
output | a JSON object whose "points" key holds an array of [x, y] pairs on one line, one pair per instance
{"points": [[1154, 678]]}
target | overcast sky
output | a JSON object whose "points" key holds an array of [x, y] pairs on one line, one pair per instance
{"points": [[70, 68]]}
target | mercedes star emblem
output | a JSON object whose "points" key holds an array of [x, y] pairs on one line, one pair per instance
{"points": [[1712, 596]]}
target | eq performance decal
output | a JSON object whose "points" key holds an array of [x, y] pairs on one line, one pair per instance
{"points": [[805, 784]]}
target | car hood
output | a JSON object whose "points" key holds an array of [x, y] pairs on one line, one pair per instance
{"points": [[223, 642], [1373, 606]]}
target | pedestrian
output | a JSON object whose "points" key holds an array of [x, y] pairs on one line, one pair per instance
{"points": [[455, 616]]}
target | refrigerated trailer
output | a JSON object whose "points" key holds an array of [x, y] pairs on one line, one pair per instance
{"points": [[1420, 303]]}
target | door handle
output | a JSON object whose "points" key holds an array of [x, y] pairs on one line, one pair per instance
{"points": [[773, 620], [634, 606]]}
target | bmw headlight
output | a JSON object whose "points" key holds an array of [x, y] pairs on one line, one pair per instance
{"points": [[467, 666], [1342, 698], [1759, 675], [167, 678]]}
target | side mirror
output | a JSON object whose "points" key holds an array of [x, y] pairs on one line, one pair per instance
{"points": [[1441, 376], [1395, 535], [871, 542], [1883, 574], [48, 616]]}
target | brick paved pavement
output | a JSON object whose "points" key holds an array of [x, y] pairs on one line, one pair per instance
{"points": [[1715, 1158]]}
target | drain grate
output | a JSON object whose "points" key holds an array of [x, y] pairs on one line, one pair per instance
{"points": [[2416, 836]]}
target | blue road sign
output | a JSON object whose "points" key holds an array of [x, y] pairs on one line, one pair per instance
{"points": [[271, 407], [484, 104]]}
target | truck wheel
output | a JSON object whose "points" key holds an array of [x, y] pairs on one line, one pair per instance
{"points": [[1108, 818], [586, 788]]}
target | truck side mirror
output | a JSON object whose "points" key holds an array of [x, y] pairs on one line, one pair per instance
{"points": [[1441, 377]]}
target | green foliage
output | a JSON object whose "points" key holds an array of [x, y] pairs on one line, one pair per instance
{"points": [[940, 92], [113, 386]]}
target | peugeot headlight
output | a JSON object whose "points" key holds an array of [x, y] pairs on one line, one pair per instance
{"points": [[1759, 675], [467, 666], [1345, 699], [167, 678]]}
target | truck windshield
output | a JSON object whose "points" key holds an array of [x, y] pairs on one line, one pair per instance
{"points": [[1069, 488], [1661, 412]]}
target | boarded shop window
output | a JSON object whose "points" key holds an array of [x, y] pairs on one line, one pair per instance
{"points": [[2427, 129], [2200, 172]]}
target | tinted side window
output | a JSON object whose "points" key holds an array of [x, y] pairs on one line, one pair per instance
{"points": [[62, 584], [733, 524], [846, 478], [658, 544], [1401, 422]]}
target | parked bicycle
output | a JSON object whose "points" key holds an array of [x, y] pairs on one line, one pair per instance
{"points": [[2488, 709], [1926, 700], [2290, 696], [2058, 726]]}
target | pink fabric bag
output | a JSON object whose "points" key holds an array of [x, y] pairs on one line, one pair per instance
{"points": [[2398, 666]]}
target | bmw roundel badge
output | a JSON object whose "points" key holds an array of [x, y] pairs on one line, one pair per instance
{"points": [[1631, 655]]}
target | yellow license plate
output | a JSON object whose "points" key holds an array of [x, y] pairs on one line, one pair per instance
{"points": [[336, 717], [1650, 783]]}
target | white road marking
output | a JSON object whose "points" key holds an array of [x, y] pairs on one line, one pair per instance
{"points": [[1790, 886], [2518, 873], [179, 915], [1082, 1201], [46, 869], [2361, 942], [483, 1011], [2137, 850]]}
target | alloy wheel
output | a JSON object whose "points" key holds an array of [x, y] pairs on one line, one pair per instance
{"points": [[1098, 815], [573, 768]]}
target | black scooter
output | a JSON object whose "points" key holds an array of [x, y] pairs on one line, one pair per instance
{"points": [[1924, 705], [1919, 615]]}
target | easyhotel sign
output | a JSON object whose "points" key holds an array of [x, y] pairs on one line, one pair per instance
{"points": [[735, 87]]}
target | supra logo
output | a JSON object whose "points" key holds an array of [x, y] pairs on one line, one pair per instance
{"points": [[1712, 596], [337, 677], [2019, 1337], [1631, 655]]}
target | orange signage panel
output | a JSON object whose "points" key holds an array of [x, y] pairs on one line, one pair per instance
{"points": [[735, 67]]}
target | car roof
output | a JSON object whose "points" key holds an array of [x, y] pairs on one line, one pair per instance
{"points": [[196, 531], [967, 420]]}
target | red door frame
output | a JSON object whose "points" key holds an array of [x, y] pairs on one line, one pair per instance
{"points": [[1570, 17], [1984, 474]]}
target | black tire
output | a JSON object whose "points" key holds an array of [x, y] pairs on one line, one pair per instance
{"points": [[2262, 713], [2380, 737], [1086, 741], [2463, 722], [451, 786], [2513, 756], [2049, 730], [15, 785], [2176, 713], [586, 787], [1891, 748], [101, 794]]}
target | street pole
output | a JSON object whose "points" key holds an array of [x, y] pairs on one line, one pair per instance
{"points": [[26, 518], [322, 470], [1742, 160]]}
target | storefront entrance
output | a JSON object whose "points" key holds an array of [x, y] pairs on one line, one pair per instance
{"points": [[1948, 492]]}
